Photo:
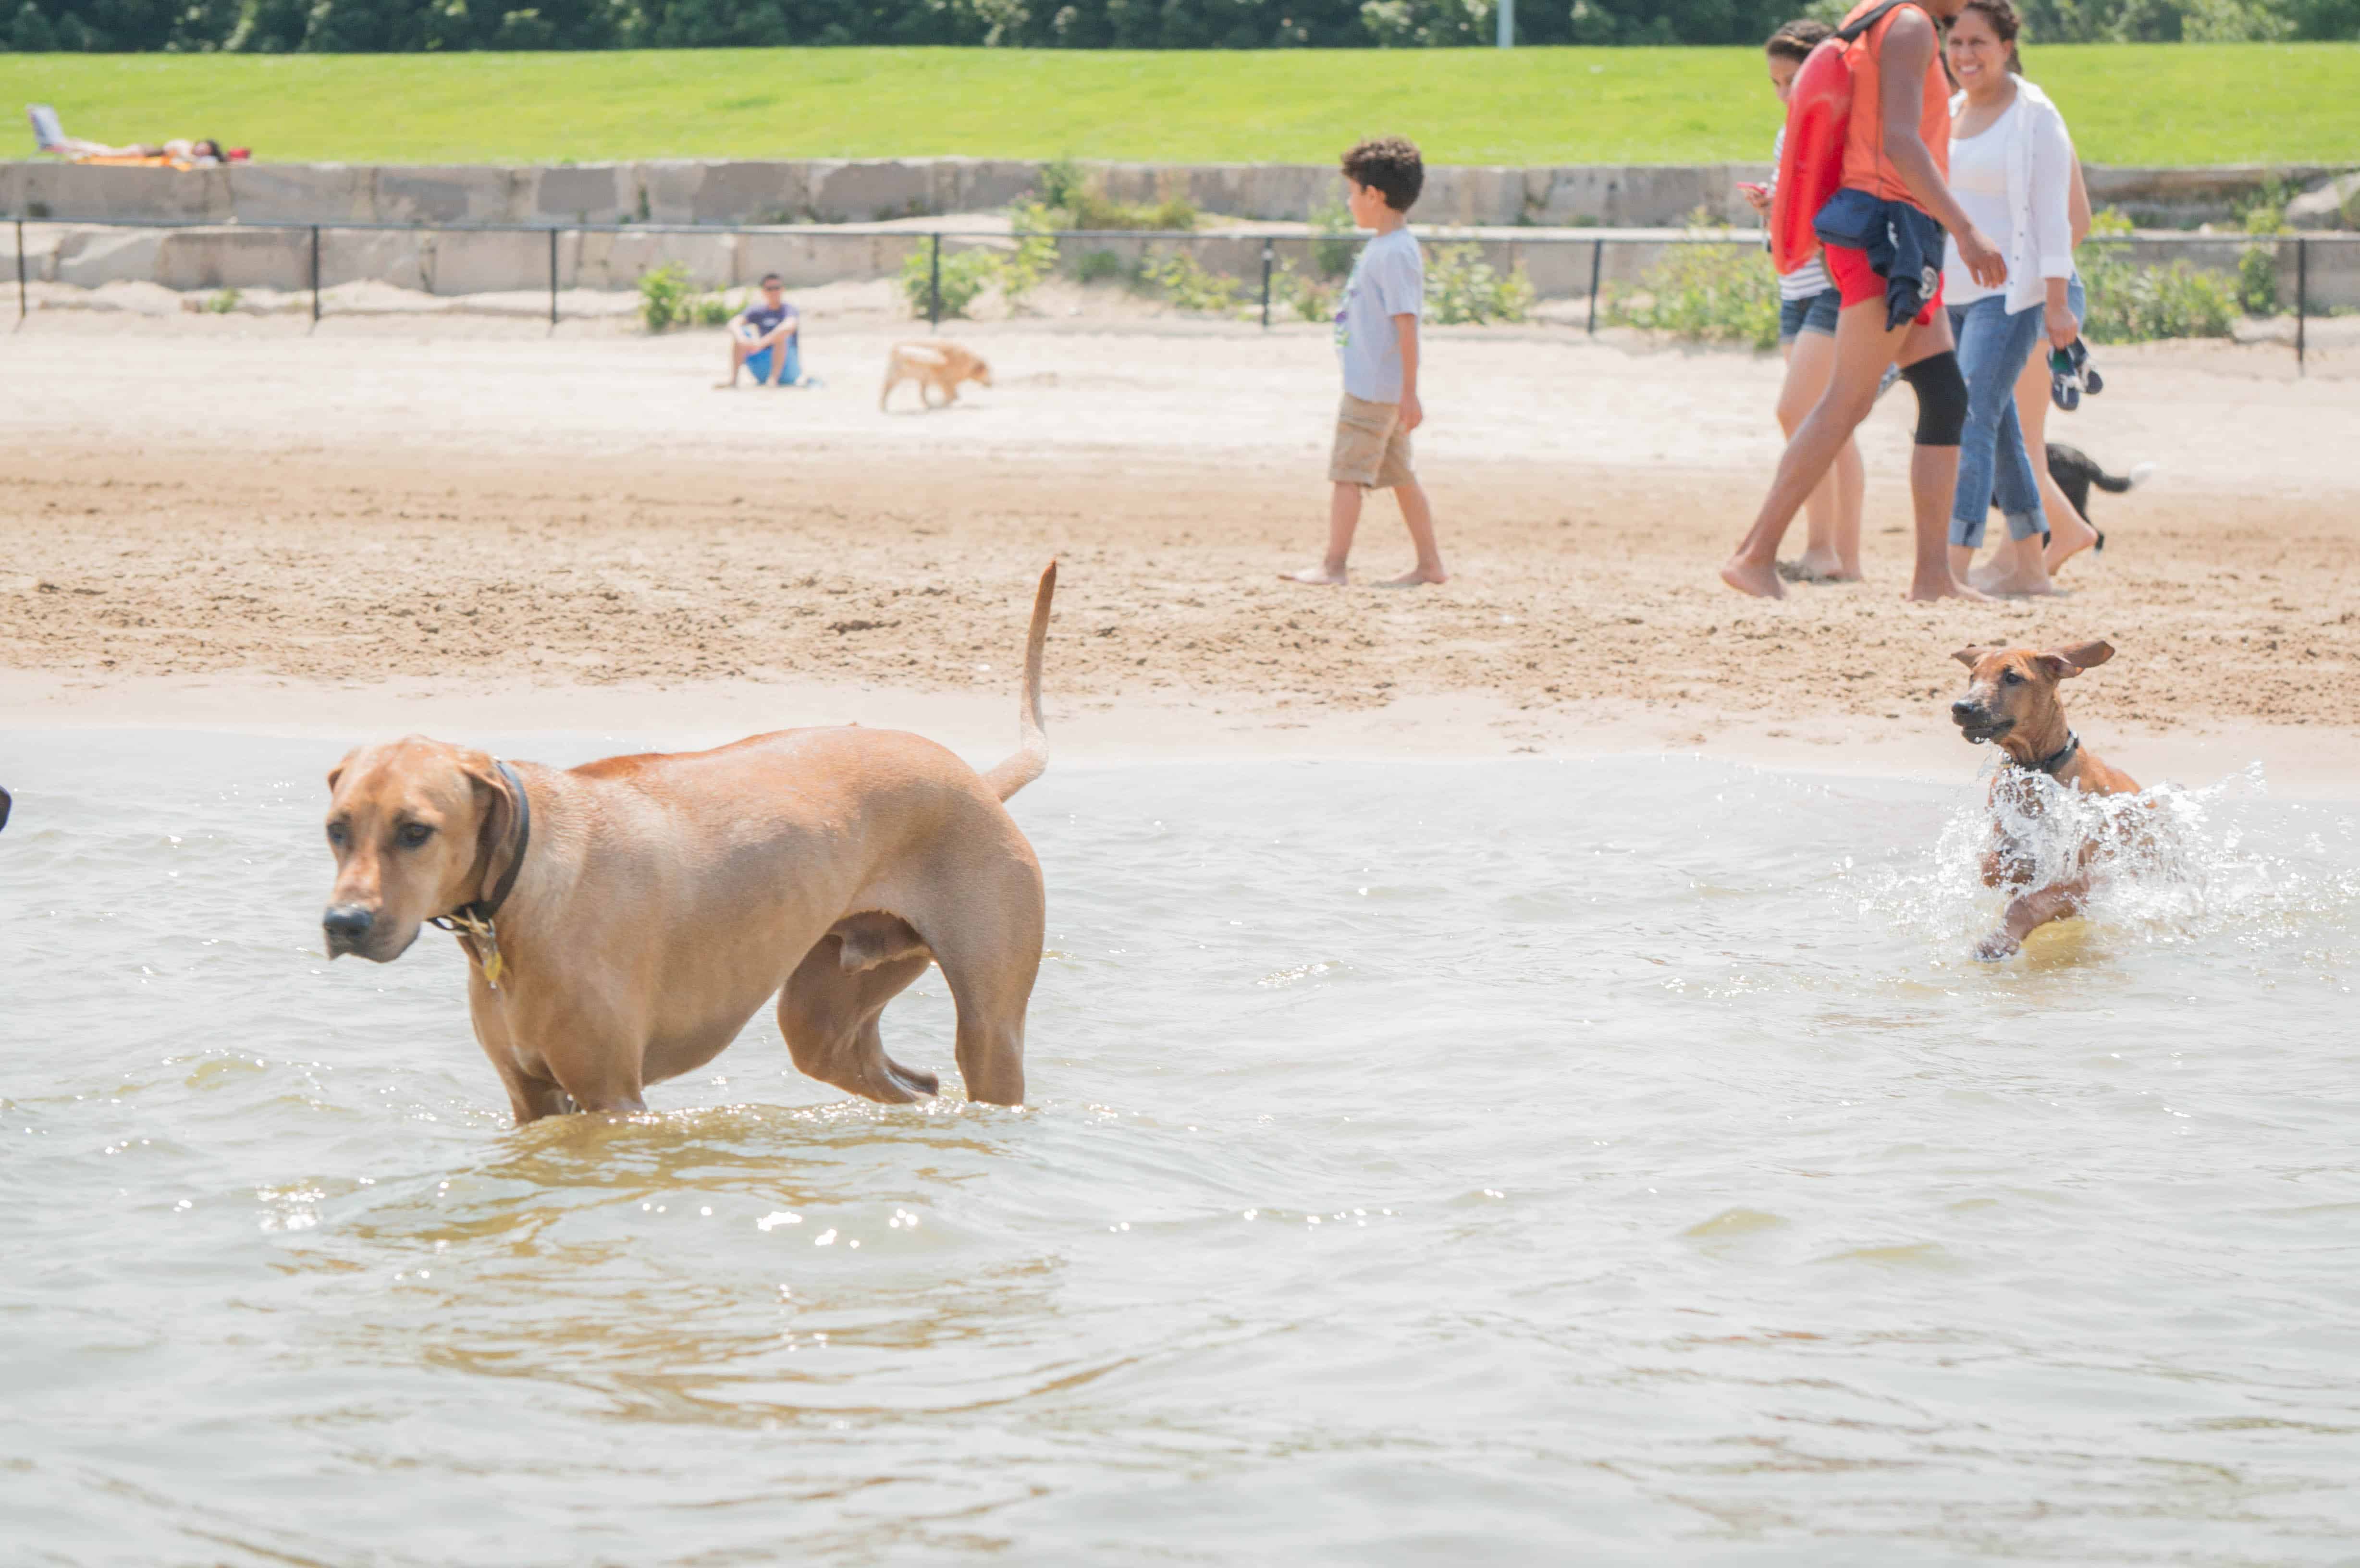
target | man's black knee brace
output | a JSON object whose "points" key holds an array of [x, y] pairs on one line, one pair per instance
{"points": [[1942, 399]]}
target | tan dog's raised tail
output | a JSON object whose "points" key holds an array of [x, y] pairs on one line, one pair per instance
{"points": [[2012, 701], [937, 365], [625, 919]]}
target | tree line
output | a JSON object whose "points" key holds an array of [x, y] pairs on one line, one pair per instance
{"points": [[340, 26]]}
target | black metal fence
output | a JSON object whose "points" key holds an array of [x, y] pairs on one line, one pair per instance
{"points": [[1559, 265]]}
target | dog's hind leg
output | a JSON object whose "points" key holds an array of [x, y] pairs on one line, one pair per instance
{"points": [[990, 954], [829, 1014]]}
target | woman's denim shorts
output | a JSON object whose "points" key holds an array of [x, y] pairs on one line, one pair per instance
{"points": [[1816, 314]]}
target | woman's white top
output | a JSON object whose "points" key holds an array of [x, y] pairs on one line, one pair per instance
{"points": [[2015, 182], [1809, 280]]}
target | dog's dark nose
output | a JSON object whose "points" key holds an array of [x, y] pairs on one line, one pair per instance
{"points": [[345, 924], [1964, 712]]}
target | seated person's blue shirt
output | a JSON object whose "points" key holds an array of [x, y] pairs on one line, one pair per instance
{"points": [[764, 319]]}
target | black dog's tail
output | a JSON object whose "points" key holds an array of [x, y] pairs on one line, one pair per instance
{"points": [[2114, 487]]}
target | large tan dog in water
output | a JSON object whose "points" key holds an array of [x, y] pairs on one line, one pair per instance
{"points": [[2011, 701], [624, 919]]}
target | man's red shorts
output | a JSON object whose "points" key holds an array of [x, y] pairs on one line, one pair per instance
{"points": [[1859, 282]]}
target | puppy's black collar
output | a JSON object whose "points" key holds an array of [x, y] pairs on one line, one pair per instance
{"points": [[2055, 759], [472, 923]]}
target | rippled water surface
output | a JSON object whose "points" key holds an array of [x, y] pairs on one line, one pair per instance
{"points": [[1596, 1162]]}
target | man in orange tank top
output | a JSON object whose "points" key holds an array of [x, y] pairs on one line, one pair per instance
{"points": [[1894, 203]]}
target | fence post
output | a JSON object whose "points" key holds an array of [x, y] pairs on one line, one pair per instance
{"points": [[315, 275], [553, 279], [1596, 256], [934, 287], [2301, 297], [21, 306], [1267, 255]]}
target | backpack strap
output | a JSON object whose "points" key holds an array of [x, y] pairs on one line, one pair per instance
{"points": [[1852, 30]]}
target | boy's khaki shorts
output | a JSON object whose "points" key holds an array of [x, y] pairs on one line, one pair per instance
{"points": [[1372, 448]]}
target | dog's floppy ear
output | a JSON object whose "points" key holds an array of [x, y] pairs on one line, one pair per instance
{"points": [[496, 797], [338, 770], [2065, 663], [1970, 657]]}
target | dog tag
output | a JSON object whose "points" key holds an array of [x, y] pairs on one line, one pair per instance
{"points": [[493, 963]]}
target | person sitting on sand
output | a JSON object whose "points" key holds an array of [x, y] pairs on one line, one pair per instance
{"points": [[1376, 339], [767, 323]]}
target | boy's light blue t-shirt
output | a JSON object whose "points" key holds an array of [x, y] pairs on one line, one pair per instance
{"points": [[1388, 280]]}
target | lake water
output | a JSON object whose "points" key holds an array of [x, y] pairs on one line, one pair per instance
{"points": [[1601, 1162]]}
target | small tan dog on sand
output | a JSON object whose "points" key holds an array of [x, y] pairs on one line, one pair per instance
{"points": [[936, 365], [2012, 700], [624, 919]]}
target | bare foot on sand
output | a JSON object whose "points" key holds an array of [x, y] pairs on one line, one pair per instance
{"points": [[1318, 576], [1948, 587], [1746, 577], [1416, 576], [1997, 580], [1818, 566]]}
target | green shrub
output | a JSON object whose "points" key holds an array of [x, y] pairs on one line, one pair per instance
{"points": [[222, 301], [1183, 281], [1333, 250], [665, 293], [1460, 287], [1703, 293], [2130, 304], [1311, 296], [1035, 256], [1071, 199], [714, 310], [669, 298], [2258, 264], [1098, 265], [1061, 179], [966, 274]]}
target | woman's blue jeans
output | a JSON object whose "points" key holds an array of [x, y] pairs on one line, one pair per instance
{"points": [[1992, 465]]}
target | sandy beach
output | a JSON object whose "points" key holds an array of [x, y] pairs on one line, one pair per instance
{"points": [[456, 526]]}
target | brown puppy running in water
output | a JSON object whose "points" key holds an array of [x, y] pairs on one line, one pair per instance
{"points": [[936, 365], [2011, 701], [624, 919]]}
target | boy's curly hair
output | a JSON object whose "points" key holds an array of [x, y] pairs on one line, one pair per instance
{"points": [[1390, 166]]}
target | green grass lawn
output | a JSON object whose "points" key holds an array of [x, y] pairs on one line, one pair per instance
{"points": [[2159, 104]]}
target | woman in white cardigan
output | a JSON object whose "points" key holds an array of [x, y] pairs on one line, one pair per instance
{"points": [[2011, 169]]}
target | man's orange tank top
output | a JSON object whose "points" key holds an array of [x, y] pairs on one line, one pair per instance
{"points": [[1865, 167]]}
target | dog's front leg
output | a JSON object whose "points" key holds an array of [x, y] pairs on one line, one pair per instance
{"points": [[2028, 913]]}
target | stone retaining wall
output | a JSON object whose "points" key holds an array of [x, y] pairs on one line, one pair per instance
{"points": [[840, 190], [460, 262]]}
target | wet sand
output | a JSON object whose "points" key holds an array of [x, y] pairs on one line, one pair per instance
{"points": [[231, 525]]}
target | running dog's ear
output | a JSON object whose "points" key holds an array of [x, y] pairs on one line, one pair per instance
{"points": [[2065, 663], [1970, 657], [338, 770]]}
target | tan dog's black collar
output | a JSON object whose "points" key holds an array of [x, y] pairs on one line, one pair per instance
{"points": [[472, 923], [2055, 759]]}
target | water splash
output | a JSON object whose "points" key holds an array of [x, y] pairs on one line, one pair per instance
{"points": [[2169, 864]]}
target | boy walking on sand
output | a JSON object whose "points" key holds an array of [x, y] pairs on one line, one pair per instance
{"points": [[1376, 339]]}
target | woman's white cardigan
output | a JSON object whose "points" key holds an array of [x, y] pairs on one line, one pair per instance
{"points": [[2040, 195]]}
